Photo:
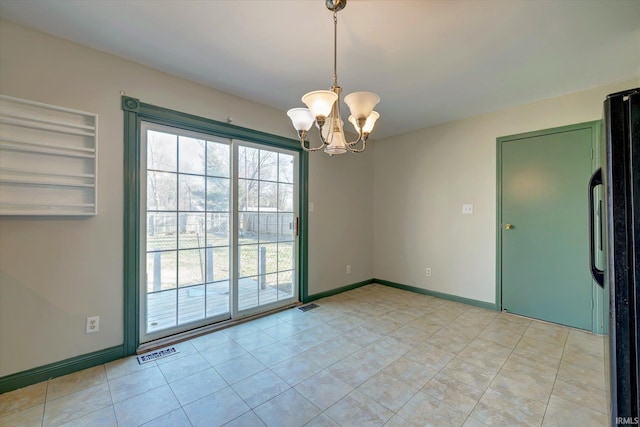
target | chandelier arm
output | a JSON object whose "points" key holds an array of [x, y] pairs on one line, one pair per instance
{"points": [[311, 149], [357, 150], [324, 141], [360, 138], [303, 134]]}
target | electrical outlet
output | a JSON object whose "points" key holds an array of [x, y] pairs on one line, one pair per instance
{"points": [[428, 272], [348, 269], [93, 324], [467, 209]]}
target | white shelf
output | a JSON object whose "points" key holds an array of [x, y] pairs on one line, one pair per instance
{"points": [[4, 170], [51, 209], [45, 182], [40, 126], [91, 129], [36, 147], [48, 159]]}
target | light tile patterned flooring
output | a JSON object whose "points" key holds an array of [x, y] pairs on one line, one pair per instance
{"points": [[372, 356]]}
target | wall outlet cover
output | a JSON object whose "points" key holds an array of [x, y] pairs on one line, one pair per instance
{"points": [[93, 324]]}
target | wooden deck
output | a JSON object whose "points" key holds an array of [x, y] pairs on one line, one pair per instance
{"points": [[174, 307]]}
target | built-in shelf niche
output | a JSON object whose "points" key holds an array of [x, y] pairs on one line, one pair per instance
{"points": [[48, 159]]}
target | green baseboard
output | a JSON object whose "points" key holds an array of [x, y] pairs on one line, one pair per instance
{"points": [[338, 290], [56, 369], [442, 295]]}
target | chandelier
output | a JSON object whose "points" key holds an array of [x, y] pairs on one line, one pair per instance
{"points": [[323, 108]]}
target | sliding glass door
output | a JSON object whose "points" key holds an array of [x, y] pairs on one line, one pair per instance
{"points": [[266, 226], [218, 229]]}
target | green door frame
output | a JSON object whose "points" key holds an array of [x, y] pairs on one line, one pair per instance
{"points": [[596, 137], [134, 113]]}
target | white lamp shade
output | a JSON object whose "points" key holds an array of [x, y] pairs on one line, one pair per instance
{"points": [[361, 103], [368, 125], [320, 102], [371, 121], [301, 118], [338, 145], [337, 142]]}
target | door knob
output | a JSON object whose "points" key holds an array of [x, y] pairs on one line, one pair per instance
{"points": [[508, 226]]}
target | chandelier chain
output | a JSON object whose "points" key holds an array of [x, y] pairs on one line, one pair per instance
{"points": [[335, 48]]}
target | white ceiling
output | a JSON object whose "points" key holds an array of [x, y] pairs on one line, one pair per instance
{"points": [[430, 61]]}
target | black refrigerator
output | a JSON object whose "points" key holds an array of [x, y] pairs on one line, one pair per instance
{"points": [[619, 230]]}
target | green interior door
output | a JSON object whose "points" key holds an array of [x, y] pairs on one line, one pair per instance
{"points": [[544, 231]]}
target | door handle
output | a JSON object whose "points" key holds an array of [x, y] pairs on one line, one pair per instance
{"points": [[598, 275], [508, 226]]}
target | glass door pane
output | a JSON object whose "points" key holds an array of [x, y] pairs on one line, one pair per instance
{"points": [[265, 227], [187, 231]]}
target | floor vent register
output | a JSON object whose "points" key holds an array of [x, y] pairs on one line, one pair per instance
{"points": [[158, 354], [308, 307]]}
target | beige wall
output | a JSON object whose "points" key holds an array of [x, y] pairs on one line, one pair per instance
{"points": [[423, 178], [56, 271], [341, 230]]}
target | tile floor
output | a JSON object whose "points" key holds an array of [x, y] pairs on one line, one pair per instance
{"points": [[372, 356]]}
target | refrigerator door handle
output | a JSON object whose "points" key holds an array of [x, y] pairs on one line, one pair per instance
{"points": [[597, 274]]}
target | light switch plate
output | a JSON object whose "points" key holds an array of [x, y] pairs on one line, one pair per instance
{"points": [[467, 209]]}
